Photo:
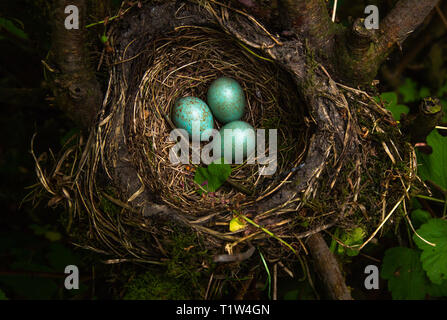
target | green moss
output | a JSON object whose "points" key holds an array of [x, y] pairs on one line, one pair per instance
{"points": [[271, 123], [109, 207], [183, 275], [186, 257], [153, 286]]}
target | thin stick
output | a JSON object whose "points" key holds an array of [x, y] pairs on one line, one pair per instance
{"points": [[334, 11], [240, 187], [120, 14], [209, 286], [275, 281], [384, 221], [267, 231], [414, 230], [443, 18]]}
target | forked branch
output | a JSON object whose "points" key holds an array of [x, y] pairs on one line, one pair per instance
{"points": [[359, 53]]}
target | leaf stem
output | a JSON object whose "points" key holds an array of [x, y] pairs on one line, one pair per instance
{"points": [[430, 198], [269, 277], [266, 231], [110, 19]]}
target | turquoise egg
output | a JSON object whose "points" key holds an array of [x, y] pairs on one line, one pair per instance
{"points": [[188, 110], [242, 136], [226, 99]]}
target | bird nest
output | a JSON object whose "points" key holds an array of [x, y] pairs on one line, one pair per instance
{"points": [[342, 160], [184, 63]]}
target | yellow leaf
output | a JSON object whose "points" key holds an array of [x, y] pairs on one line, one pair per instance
{"points": [[237, 224]]}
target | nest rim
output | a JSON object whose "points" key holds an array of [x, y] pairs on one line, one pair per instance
{"points": [[183, 63]]}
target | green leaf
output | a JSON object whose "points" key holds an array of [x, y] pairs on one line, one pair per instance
{"points": [[351, 238], [444, 107], [334, 244], [301, 291], [292, 295], [409, 90], [3, 295], [60, 256], [38, 230], [46, 232], [419, 217], [9, 26], [389, 97], [434, 259], [397, 110], [28, 287], [424, 92], [211, 178], [53, 236], [406, 279], [221, 171], [437, 290], [442, 90], [390, 100], [433, 166]]}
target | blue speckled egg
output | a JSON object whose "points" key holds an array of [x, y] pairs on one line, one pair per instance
{"points": [[243, 136], [188, 110], [226, 99]]}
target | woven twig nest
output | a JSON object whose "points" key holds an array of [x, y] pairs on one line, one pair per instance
{"points": [[184, 63], [342, 161]]}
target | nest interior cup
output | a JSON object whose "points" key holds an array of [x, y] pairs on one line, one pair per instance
{"points": [[184, 63]]}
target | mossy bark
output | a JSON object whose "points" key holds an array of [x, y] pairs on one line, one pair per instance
{"points": [[73, 79]]}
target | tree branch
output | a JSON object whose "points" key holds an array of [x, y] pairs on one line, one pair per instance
{"points": [[327, 267], [405, 17], [309, 19], [74, 83], [360, 53], [418, 125]]}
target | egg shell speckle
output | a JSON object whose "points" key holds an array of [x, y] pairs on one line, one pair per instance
{"points": [[226, 99], [187, 110]]}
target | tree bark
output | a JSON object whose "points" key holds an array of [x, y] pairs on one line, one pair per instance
{"points": [[328, 268], [418, 125], [74, 83], [309, 19], [406, 16], [360, 53]]}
